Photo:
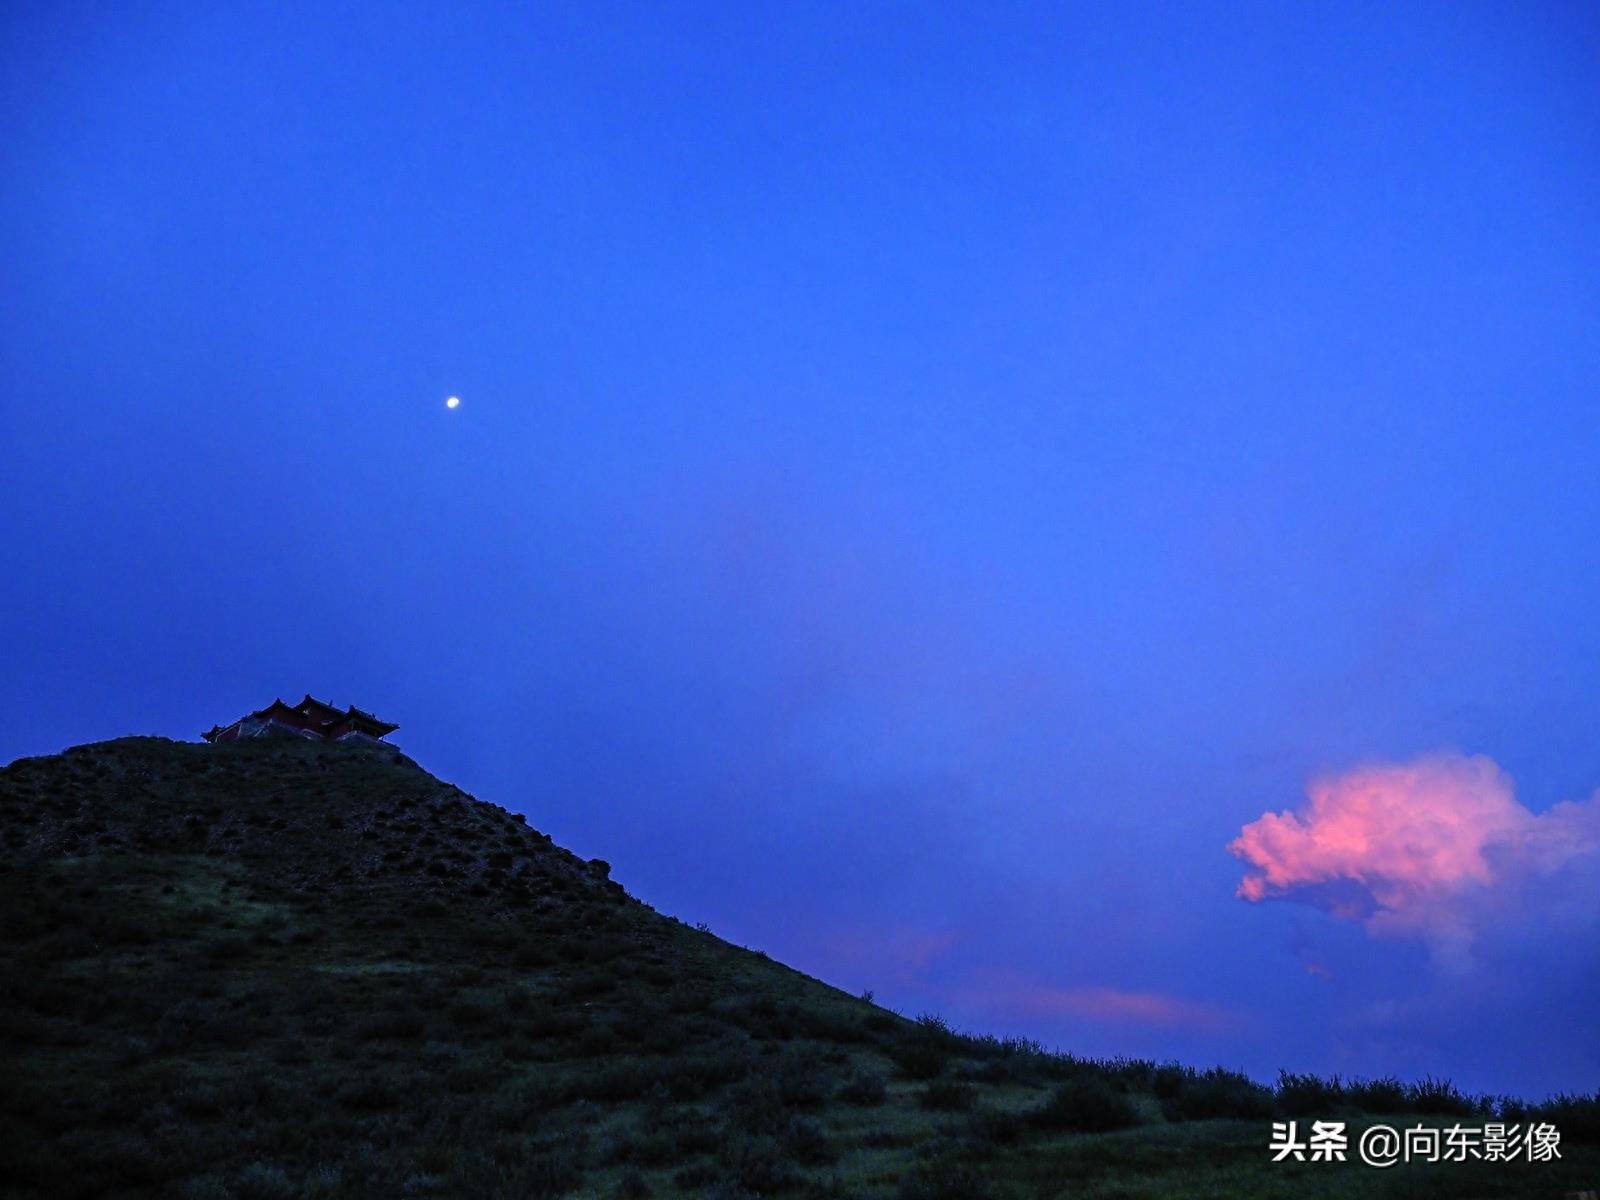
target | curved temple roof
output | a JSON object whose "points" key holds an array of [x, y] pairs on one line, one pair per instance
{"points": [[313, 716]]}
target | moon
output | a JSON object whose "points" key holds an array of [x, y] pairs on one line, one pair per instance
{"points": [[453, 402]]}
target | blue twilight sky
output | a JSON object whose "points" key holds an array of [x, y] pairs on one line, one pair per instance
{"points": [[927, 478]]}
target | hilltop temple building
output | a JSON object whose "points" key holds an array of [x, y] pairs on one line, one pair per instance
{"points": [[310, 718]]}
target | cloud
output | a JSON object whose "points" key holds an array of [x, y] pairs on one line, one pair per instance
{"points": [[1110, 1004], [1437, 848], [1104, 1004]]}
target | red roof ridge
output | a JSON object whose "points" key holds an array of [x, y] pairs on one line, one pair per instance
{"points": [[314, 718]]}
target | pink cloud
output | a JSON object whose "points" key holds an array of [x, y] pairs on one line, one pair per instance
{"points": [[1429, 847], [1109, 1004], [1104, 1004]]}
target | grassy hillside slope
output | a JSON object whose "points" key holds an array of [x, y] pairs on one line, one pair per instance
{"points": [[284, 969]]}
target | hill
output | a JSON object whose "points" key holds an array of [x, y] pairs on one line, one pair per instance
{"points": [[290, 969]]}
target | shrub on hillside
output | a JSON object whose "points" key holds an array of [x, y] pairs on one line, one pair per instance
{"points": [[755, 1106], [1440, 1096], [865, 1088], [878, 1022], [1087, 1104], [1308, 1095], [1387, 1095], [998, 1126], [948, 1095], [803, 1082], [1220, 1093], [1576, 1116], [1170, 1079], [919, 1059], [688, 1077]]}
